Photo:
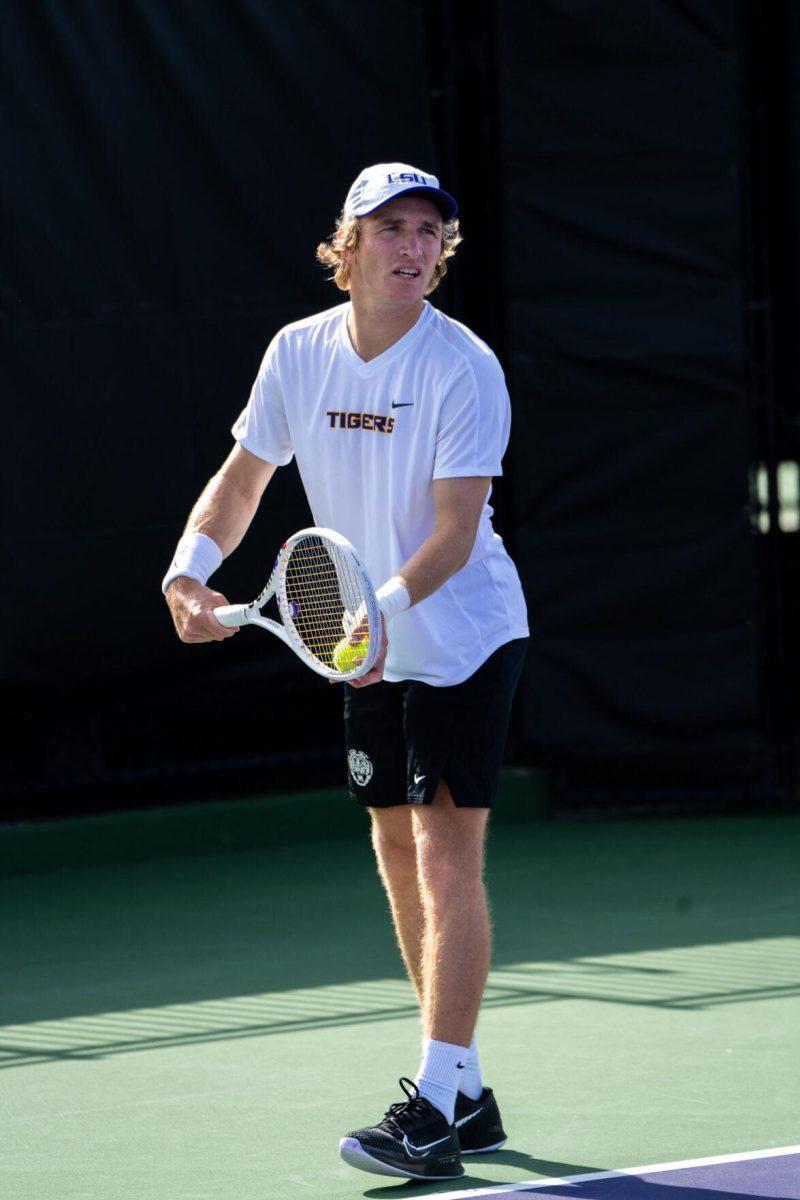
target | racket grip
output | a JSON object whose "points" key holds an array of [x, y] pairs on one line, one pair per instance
{"points": [[231, 615]]}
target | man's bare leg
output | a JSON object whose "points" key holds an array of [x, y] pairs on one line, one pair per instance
{"points": [[430, 859], [456, 944], [395, 850]]}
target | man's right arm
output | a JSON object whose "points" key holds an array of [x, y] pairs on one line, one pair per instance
{"points": [[223, 513]]}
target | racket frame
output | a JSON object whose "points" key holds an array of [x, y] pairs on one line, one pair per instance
{"points": [[232, 615]]}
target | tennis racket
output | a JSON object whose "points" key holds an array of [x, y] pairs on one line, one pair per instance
{"points": [[326, 603]]}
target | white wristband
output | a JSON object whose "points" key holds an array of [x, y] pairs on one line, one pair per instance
{"points": [[393, 598], [196, 557]]}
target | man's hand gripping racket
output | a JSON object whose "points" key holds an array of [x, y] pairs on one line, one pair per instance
{"points": [[329, 613]]}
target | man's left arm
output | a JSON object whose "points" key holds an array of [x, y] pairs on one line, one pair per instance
{"points": [[458, 503]]}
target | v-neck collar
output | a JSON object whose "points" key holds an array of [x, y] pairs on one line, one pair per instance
{"points": [[399, 347]]}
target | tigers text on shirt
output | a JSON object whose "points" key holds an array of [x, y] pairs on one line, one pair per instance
{"points": [[370, 439]]}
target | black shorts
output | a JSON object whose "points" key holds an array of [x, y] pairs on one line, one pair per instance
{"points": [[402, 738]]}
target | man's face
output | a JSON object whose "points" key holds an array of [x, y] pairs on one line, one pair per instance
{"points": [[398, 249]]}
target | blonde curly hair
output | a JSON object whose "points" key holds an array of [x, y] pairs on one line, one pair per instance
{"points": [[346, 236]]}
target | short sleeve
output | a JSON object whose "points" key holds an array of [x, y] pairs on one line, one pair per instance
{"points": [[262, 427], [474, 421]]}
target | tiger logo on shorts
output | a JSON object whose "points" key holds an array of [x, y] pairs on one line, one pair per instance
{"points": [[360, 767]]}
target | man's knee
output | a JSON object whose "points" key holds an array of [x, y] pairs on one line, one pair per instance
{"points": [[393, 834], [450, 861], [449, 834]]}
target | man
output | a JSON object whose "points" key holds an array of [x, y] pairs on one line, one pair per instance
{"points": [[399, 418]]}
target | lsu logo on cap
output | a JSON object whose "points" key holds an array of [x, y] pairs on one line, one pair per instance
{"points": [[412, 177], [382, 182]]}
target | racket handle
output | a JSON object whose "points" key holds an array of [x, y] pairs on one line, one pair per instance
{"points": [[231, 615]]}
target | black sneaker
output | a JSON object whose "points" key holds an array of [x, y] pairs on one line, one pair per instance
{"points": [[478, 1123], [413, 1141]]}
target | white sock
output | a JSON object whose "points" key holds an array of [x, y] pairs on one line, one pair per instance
{"points": [[439, 1073], [469, 1080]]}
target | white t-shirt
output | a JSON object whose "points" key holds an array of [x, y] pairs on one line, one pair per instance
{"points": [[370, 438]]}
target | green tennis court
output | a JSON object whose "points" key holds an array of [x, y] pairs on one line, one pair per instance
{"points": [[199, 1002]]}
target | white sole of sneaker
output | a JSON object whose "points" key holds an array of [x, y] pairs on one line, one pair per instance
{"points": [[485, 1149], [354, 1154]]}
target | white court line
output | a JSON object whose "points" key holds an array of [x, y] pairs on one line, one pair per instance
{"points": [[512, 1189]]}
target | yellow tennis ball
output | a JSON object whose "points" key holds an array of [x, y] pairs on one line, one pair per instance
{"points": [[347, 657]]}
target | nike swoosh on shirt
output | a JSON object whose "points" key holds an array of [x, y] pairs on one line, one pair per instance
{"points": [[419, 778], [396, 405]]}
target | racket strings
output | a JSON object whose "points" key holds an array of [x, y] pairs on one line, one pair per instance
{"points": [[324, 596]]}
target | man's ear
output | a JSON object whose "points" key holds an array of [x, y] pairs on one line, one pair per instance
{"points": [[349, 255]]}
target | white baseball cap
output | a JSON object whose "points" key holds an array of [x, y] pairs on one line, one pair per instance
{"points": [[385, 181]]}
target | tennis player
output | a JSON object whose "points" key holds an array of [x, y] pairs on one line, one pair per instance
{"points": [[399, 418]]}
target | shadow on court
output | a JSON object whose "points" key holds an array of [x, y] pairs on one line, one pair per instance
{"points": [[479, 1174], [623, 951], [111, 959]]}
